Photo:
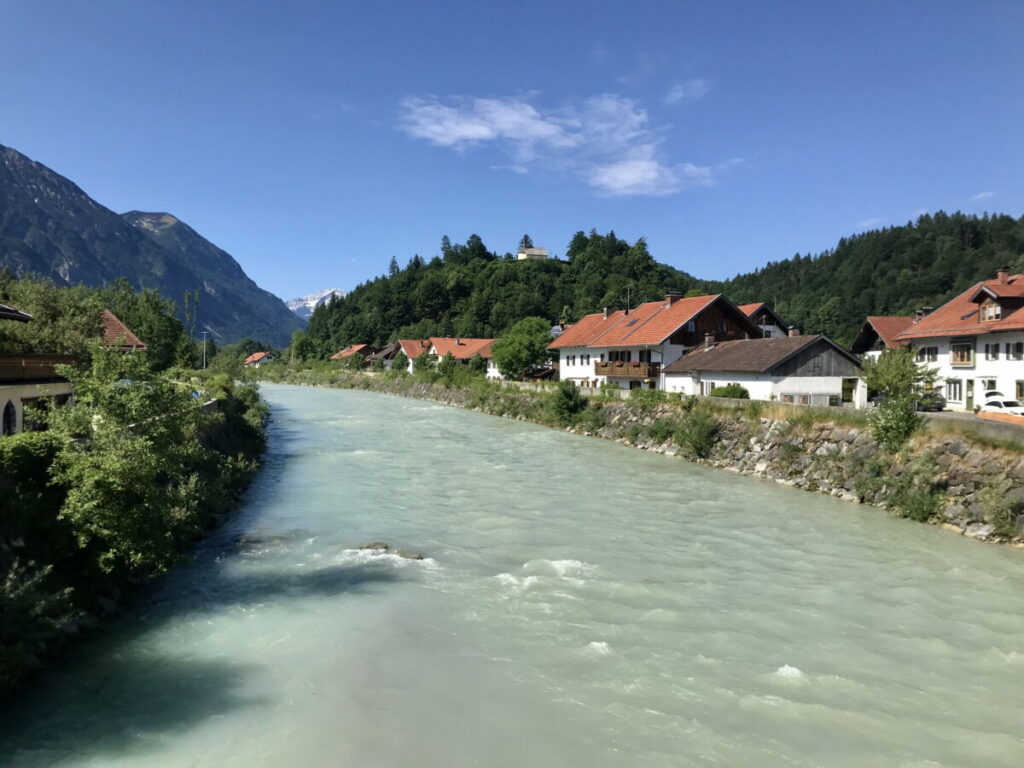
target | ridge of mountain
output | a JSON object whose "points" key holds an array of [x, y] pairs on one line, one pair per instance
{"points": [[303, 306], [49, 226]]}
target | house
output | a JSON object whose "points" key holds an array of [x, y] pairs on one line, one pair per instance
{"points": [[806, 370], [530, 254], [464, 350], [118, 336], [361, 350], [767, 319], [386, 354], [256, 359], [879, 332], [628, 348], [29, 378], [413, 348], [975, 342]]}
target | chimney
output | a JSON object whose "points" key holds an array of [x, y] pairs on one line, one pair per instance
{"points": [[709, 340], [921, 314], [672, 297], [794, 331], [1003, 275], [606, 313]]}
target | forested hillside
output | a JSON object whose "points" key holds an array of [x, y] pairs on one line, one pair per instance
{"points": [[891, 271], [469, 291]]}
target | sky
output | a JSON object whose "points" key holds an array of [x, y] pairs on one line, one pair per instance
{"points": [[315, 140]]}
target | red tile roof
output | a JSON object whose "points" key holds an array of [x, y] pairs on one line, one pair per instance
{"points": [[116, 333], [960, 317], [647, 325], [255, 357], [413, 348], [461, 349], [888, 327], [351, 349], [749, 309]]}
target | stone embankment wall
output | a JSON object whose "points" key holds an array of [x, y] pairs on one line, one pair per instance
{"points": [[964, 486]]}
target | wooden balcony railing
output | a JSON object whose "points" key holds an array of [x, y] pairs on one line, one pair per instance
{"points": [[31, 367], [631, 370]]}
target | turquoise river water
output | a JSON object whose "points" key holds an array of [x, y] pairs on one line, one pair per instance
{"points": [[581, 604]]}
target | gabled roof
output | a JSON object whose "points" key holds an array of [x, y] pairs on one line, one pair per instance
{"points": [[10, 313], [387, 352], [116, 334], [413, 348], [363, 349], [886, 327], [255, 357], [647, 325], [752, 310], [959, 317], [750, 355], [461, 349]]}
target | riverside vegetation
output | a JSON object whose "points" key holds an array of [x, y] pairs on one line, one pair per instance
{"points": [[148, 454], [959, 480]]}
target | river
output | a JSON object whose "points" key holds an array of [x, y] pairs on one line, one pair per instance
{"points": [[581, 604]]}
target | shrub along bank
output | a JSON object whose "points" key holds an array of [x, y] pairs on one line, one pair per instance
{"points": [[953, 480], [110, 496]]}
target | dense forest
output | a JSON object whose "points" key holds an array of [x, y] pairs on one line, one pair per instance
{"points": [[469, 291]]}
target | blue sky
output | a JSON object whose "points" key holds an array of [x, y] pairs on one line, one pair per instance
{"points": [[314, 140]]}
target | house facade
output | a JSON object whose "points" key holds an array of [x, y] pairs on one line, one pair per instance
{"points": [[413, 348], [629, 348], [974, 343], [463, 350], [803, 370], [878, 333]]}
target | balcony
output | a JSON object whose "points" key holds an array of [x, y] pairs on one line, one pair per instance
{"points": [[31, 367], [630, 370]]}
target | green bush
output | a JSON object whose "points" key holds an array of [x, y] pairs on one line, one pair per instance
{"points": [[698, 433], [566, 403], [730, 390], [648, 399], [894, 421]]}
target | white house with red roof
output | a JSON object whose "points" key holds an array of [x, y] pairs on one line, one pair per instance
{"points": [[413, 348], [256, 359], [628, 348], [975, 343], [464, 350], [767, 319], [879, 333]]}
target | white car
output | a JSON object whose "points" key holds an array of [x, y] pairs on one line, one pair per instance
{"points": [[1015, 407]]}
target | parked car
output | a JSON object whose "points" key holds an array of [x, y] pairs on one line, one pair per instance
{"points": [[1014, 407], [931, 401]]}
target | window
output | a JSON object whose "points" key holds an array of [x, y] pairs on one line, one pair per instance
{"points": [[988, 384], [570, 360], [584, 359], [1020, 390], [928, 355], [619, 356], [991, 312], [787, 398], [954, 390], [963, 353], [992, 351], [1015, 351], [645, 355], [691, 326], [601, 357]]}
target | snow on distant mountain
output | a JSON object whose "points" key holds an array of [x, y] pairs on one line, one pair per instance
{"points": [[304, 305]]}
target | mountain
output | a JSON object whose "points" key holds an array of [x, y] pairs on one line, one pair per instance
{"points": [[303, 306], [50, 227]]}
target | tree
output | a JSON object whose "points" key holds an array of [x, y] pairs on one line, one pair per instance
{"points": [[423, 363], [896, 374], [567, 403], [446, 366], [525, 242], [523, 349], [478, 365], [401, 363], [393, 269]]}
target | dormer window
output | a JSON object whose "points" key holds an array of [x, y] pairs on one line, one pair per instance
{"points": [[991, 312]]}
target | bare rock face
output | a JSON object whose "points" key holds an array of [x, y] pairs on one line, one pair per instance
{"points": [[375, 545]]}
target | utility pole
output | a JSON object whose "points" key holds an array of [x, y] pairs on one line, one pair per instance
{"points": [[205, 334]]}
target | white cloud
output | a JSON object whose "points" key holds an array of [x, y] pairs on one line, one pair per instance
{"points": [[689, 90], [606, 140], [983, 195], [871, 223]]}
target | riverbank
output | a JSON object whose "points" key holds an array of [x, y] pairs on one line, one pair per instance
{"points": [[89, 519], [963, 483]]}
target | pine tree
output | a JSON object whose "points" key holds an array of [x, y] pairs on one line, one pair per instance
{"points": [[525, 242]]}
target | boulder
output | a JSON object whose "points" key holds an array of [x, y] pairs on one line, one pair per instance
{"points": [[979, 530], [375, 545]]}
